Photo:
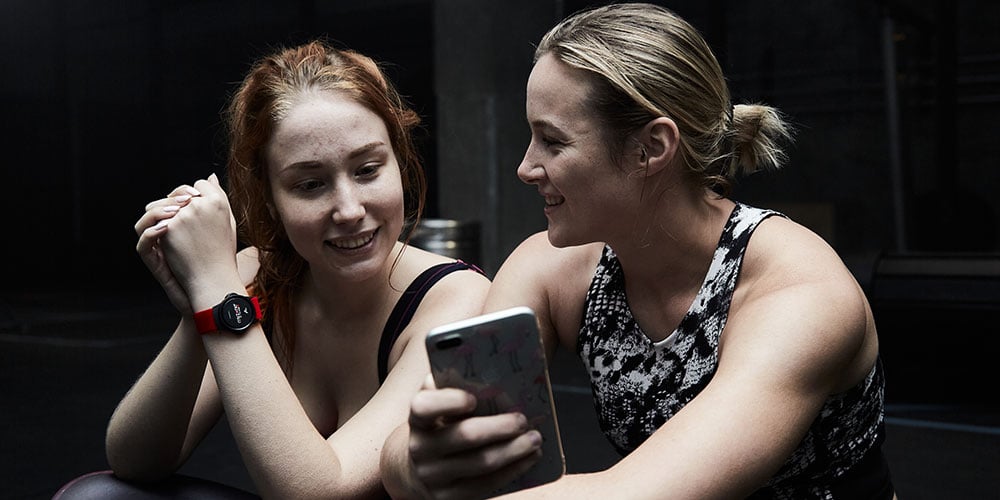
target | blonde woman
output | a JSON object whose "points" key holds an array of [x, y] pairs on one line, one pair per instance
{"points": [[731, 352]]}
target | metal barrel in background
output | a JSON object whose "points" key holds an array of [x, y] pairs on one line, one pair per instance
{"points": [[448, 237]]}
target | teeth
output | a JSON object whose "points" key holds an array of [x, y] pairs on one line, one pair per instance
{"points": [[554, 200], [352, 243]]}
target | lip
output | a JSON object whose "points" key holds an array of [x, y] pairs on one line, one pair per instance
{"points": [[353, 243], [552, 202]]}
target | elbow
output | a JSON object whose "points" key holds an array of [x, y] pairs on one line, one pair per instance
{"points": [[132, 465], [398, 480], [135, 471], [138, 475]]}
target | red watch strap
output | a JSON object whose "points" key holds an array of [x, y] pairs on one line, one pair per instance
{"points": [[204, 321], [257, 313]]}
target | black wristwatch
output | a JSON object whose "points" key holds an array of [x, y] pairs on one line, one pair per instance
{"points": [[235, 313]]}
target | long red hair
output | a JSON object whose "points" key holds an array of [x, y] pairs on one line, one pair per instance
{"points": [[264, 99]]}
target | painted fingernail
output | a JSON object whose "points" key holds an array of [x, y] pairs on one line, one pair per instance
{"points": [[171, 208], [182, 198], [193, 192], [162, 224]]}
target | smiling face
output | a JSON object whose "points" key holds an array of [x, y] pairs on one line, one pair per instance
{"points": [[587, 197], [335, 185]]}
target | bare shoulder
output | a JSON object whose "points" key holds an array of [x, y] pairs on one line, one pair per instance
{"points": [[782, 253], [547, 262], [797, 302], [454, 296], [552, 281], [415, 261]]}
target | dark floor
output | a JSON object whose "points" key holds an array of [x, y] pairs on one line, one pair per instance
{"points": [[66, 360]]}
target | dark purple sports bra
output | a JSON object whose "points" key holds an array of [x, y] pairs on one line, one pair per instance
{"points": [[407, 304]]}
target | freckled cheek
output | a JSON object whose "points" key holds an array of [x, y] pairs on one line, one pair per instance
{"points": [[388, 197], [301, 219], [390, 211]]}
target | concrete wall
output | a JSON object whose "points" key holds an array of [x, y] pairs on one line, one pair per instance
{"points": [[107, 105], [482, 55], [821, 63]]}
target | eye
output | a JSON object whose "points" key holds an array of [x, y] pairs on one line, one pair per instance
{"points": [[308, 185], [367, 170], [551, 143]]}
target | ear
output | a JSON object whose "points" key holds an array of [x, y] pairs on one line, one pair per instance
{"points": [[658, 141], [272, 211]]}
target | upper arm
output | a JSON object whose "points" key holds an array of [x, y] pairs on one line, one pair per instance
{"points": [[551, 281], [782, 357], [457, 296]]}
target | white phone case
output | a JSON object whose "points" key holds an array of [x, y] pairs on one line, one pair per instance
{"points": [[499, 358]]}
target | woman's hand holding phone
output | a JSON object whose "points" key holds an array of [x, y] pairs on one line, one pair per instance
{"points": [[457, 455], [491, 427]]}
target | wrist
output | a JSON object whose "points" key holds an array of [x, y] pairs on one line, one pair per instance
{"points": [[235, 314], [210, 294]]}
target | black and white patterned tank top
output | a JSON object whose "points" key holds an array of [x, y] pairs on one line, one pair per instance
{"points": [[639, 384]]}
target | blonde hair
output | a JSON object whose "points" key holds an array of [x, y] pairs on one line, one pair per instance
{"points": [[646, 63]]}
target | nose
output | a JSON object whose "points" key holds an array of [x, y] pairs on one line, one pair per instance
{"points": [[348, 206], [530, 171]]}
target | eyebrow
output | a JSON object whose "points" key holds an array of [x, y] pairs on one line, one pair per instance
{"points": [[367, 148], [307, 164], [546, 126], [540, 123]]}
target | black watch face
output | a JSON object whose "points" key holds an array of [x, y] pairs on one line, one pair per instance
{"points": [[236, 314]]}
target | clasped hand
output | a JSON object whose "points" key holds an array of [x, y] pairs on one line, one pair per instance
{"points": [[187, 238]]}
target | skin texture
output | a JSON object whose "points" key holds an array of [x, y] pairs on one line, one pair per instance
{"points": [[337, 192], [799, 327]]}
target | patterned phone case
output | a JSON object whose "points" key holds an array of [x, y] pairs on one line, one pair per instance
{"points": [[499, 358]]}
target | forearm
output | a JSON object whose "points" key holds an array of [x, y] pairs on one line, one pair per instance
{"points": [[595, 485], [284, 453], [397, 469], [147, 433]]}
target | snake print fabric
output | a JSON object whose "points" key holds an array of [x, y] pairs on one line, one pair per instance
{"points": [[638, 384]]}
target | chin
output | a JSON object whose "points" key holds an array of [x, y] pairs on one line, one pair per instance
{"points": [[360, 272], [563, 239]]}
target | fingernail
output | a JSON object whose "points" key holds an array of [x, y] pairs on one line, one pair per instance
{"points": [[162, 224], [182, 198], [171, 208], [535, 437], [193, 192]]}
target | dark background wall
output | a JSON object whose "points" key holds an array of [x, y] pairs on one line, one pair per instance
{"points": [[108, 105]]}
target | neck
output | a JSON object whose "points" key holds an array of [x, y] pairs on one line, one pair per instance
{"points": [[675, 239], [343, 300]]}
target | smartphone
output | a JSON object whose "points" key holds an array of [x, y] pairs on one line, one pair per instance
{"points": [[499, 358]]}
